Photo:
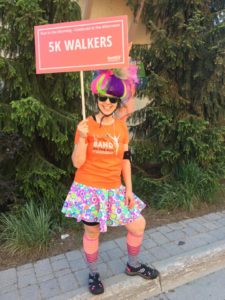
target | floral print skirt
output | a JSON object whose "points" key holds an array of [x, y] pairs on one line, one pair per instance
{"points": [[106, 206]]}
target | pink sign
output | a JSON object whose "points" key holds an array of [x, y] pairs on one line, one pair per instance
{"points": [[84, 45]]}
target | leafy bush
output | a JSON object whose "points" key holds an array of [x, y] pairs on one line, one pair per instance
{"points": [[190, 185], [172, 142], [141, 187], [41, 181], [192, 163], [11, 149], [40, 110], [142, 151], [30, 229], [185, 82]]}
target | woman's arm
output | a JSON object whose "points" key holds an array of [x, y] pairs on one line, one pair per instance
{"points": [[126, 172], [80, 149], [79, 153]]}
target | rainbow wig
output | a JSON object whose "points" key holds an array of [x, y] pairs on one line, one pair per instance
{"points": [[119, 83]]}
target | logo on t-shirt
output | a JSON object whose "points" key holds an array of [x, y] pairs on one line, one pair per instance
{"points": [[103, 145]]}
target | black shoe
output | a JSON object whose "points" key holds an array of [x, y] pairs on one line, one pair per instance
{"points": [[143, 270], [95, 285]]}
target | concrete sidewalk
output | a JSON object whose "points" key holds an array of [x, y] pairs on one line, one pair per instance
{"points": [[210, 287], [181, 251]]}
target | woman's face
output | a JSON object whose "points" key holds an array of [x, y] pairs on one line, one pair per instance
{"points": [[107, 104]]}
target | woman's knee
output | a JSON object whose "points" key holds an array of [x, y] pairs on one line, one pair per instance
{"points": [[138, 226], [141, 224], [92, 231]]}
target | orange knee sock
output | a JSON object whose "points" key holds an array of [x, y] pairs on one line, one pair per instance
{"points": [[133, 248], [90, 246]]}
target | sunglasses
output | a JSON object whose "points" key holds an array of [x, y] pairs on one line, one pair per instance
{"points": [[113, 100]]}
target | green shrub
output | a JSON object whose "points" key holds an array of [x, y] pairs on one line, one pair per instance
{"points": [[30, 229], [42, 182], [141, 186], [142, 152], [38, 114], [191, 160], [204, 183], [190, 185]]}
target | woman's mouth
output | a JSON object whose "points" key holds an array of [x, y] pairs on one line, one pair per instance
{"points": [[108, 108]]}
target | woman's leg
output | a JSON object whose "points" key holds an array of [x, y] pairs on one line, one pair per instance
{"points": [[91, 245], [135, 233], [134, 240]]}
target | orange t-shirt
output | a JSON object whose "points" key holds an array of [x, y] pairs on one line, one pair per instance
{"points": [[105, 149]]}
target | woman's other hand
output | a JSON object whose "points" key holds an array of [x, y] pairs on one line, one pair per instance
{"points": [[129, 199], [83, 128]]}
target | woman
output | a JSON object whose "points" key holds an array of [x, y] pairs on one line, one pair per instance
{"points": [[97, 197]]}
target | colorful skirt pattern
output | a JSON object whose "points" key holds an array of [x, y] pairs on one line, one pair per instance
{"points": [[106, 206]]}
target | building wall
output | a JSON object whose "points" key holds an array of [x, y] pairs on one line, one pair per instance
{"points": [[110, 8]]}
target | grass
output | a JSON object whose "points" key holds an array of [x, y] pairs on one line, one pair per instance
{"points": [[31, 229]]}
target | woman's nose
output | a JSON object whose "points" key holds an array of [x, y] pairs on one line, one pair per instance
{"points": [[107, 101]]}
